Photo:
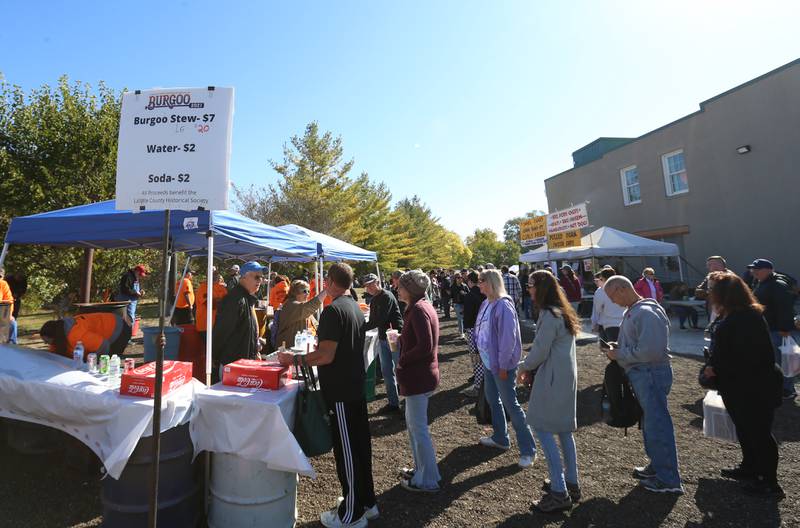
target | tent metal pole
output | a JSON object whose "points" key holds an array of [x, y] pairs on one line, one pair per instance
{"points": [[209, 305], [178, 290], [4, 253], [209, 336], [680, 267], [269, 280], [378, 270], [152, 520]]}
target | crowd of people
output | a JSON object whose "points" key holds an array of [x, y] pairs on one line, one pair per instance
{"points": [[749, 317]]}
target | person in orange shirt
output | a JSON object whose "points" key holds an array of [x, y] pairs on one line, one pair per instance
{"points": [[279, 292], [100, 333], [7, 297], [218, 291], [327, 300], [183, 306]]}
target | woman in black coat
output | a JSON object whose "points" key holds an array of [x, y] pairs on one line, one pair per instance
{"points": [[743, 364]]}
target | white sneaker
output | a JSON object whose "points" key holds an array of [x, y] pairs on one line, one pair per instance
{"points": [[488, 442], [330, 519], [526, 461], [370, 513]]}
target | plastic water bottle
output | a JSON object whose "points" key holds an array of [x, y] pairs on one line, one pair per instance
{"points": [[298, 340], [77, 356], [113, 368]]}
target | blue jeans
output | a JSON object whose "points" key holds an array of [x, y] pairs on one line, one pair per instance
{"points": [[12, 332], [526, 306], [558, 481], [652, 383], [426, 474], [389, 361], [499, 394], [460, 316], [777, 340]]}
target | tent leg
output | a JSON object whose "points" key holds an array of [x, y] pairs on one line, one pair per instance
{"points": [[209, 335], [269, 281], [178, 290], [378, 272], [680, 268], [3, 254], [209, 306]]}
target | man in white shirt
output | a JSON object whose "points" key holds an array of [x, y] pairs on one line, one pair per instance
{"points": [[606, 315]]}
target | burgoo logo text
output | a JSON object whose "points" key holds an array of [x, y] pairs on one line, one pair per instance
{"points": [[171, 100]]}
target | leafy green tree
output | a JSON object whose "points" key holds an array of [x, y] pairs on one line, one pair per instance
{"points": [[58, 148]]}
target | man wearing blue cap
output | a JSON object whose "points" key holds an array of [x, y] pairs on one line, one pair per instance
{"points": [[774, 293], [236, 327]]}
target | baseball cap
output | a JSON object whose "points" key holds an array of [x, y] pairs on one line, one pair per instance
{"points": [[761, 264], [369, 278], [141, 269], [235, 268], [251, 266]]}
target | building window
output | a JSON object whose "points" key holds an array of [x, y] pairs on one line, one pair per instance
{"points": [[675, 178], [630, 185]]}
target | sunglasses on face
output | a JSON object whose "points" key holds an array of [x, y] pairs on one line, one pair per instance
{"points": [[258, 278], [305, 291]]}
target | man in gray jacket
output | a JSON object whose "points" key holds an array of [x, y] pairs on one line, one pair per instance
{"points": [[642, 352]]}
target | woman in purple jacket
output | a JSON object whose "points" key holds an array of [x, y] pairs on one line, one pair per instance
{"points": [[417, 374], [497, 336]]}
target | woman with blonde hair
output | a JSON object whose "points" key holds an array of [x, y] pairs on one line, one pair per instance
{"points": [[552, 405], [499, 345], [297, 311]]}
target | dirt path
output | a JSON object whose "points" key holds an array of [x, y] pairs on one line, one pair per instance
{"points": [[483, 487]]}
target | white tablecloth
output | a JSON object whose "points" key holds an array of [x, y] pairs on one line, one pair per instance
{"points": [[252, 424], [41, 387]]}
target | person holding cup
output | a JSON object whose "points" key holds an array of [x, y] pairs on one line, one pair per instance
{"points": [[384, 314], [418, 376]]}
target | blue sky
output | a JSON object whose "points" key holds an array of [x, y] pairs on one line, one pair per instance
{"points": [[470, 105]]}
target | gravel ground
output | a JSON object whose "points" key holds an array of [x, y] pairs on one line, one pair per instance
{"points": [[482, 486]]}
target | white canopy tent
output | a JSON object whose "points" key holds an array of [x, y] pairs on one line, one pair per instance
{"points": [[607, 242]]}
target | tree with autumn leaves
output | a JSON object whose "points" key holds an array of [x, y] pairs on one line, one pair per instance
{"points": [[316, 190]]}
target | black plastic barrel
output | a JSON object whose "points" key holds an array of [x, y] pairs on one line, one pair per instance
{"points": [[30, 438], [115, 307], [125, 501]]}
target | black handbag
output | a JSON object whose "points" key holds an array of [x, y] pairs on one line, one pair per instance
{"points": [[702, 379], [312, 424], [483, 412]]}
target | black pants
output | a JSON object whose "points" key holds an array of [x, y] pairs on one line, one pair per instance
{"points": [[352, 449], [119, 344], [753, 423], [183, 316], [445, 303]]}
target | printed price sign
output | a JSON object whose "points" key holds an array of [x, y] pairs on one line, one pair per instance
{"points": [[568, 219], [565, 239], [174, 149], [533, 231]]}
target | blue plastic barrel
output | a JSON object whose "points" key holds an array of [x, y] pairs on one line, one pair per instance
{"points": [[173, 343]]}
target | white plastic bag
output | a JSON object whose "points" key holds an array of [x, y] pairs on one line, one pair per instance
{"points": [[790, 357], [717, 422]]}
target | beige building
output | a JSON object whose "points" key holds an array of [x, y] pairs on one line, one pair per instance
{"points": [[723, 180]]}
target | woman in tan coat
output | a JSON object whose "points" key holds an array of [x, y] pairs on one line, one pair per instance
{"points": [[297, 312]]}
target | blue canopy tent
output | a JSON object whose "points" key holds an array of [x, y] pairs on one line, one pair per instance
{"points": [[102, 226], [331, 249]]}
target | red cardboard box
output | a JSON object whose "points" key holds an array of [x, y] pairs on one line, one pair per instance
{"points": [[141, 381], [255, 374]]}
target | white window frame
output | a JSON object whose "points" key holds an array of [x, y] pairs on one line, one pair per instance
{"points": [[667, 175], [625, 186]]}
